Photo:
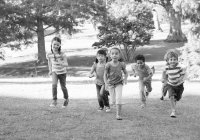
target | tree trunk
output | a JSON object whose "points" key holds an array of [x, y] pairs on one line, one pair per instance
{"points": [[41, 43], [156, 21], [175, 32]]}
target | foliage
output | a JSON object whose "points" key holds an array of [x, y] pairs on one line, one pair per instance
{"points": [[22, 20], [191, 51], [128, 24]]}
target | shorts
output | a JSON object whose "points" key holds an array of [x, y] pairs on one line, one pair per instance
{"points": [[175, 91]]}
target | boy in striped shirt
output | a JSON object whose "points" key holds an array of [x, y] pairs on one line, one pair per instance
{"points": [[175, 79]]}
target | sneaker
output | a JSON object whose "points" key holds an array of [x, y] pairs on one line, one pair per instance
{"points": [[100, 109], [173, 114], [143, 105], [147, 94], [107, 109], [162, 98], [53, 104], [65, 103], [118, 117]]}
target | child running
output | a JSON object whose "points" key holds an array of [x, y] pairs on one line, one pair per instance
{"points": [[99, 68], [114, 79], [145, 74], [57, 62], [175, 80]]}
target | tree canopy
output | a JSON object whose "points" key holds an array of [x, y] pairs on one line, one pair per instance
{"points": [[127, 24], [22, 20]]}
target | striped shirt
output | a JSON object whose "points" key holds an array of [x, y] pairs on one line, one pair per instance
{"points": [[175, 75], [55, 61]]}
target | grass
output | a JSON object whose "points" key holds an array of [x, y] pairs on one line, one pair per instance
{"points": [[33, 119]]}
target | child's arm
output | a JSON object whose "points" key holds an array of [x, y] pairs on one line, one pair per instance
{"points": [[183, 74], [91, 74], [105, 76], [49, 64], [64, 62], [133, 73], [125, 76], [150, 74], [125, 73], [164, 77]]}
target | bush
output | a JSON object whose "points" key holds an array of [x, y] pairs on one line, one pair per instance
{"points": [[191, 54], [127, 25]]}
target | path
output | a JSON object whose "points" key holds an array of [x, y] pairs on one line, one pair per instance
{"points": [[40, 88]]}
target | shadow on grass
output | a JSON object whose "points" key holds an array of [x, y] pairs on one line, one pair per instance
{"points": [[79, 65], [156, 50]]}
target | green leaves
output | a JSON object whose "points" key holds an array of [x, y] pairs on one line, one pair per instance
{"points": [[127, 24]]}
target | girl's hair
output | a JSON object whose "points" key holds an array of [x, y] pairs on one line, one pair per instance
{"points": [[120, 59], [140, 57], [102, 52], [59, 49], [171, 53]]}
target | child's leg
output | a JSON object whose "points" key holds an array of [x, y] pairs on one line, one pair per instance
{"points": [[179, 92], [54, 85], [104, 96], [118, 90], [62, 78], [148, 87], [99, 96], [142, 94], [172, 95], [112, 94]]}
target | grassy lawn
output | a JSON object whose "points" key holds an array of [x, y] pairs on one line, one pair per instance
{"points": [[33, 119]]}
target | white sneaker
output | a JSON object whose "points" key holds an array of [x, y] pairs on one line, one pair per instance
{"points": [[143, 105], [53, 104], [107, 109], [173, 114]]}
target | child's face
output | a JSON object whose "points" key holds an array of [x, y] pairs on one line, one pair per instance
{"points": [[173, 61], [55, 46], [101, 57], [140, 63], [114, 54]]}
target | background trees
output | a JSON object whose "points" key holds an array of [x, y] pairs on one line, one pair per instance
{"points": [[191, 51], [22, 20], [128, 25]]}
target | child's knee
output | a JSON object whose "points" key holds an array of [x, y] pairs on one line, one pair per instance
{"points": [[54, 85]]}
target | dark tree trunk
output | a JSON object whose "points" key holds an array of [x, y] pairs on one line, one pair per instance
{"points": [[41, 42], [175, 32], [156, 21]]}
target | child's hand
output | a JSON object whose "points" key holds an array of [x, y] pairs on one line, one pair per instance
{"points": [[145, 79], [91, 75], [106, 87], [133, 74], [50, 73]]}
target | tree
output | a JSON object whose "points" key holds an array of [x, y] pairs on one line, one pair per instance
{"points": [[191, 51], [174, 9], [156, 20], [128, 25], [24, 19]]}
